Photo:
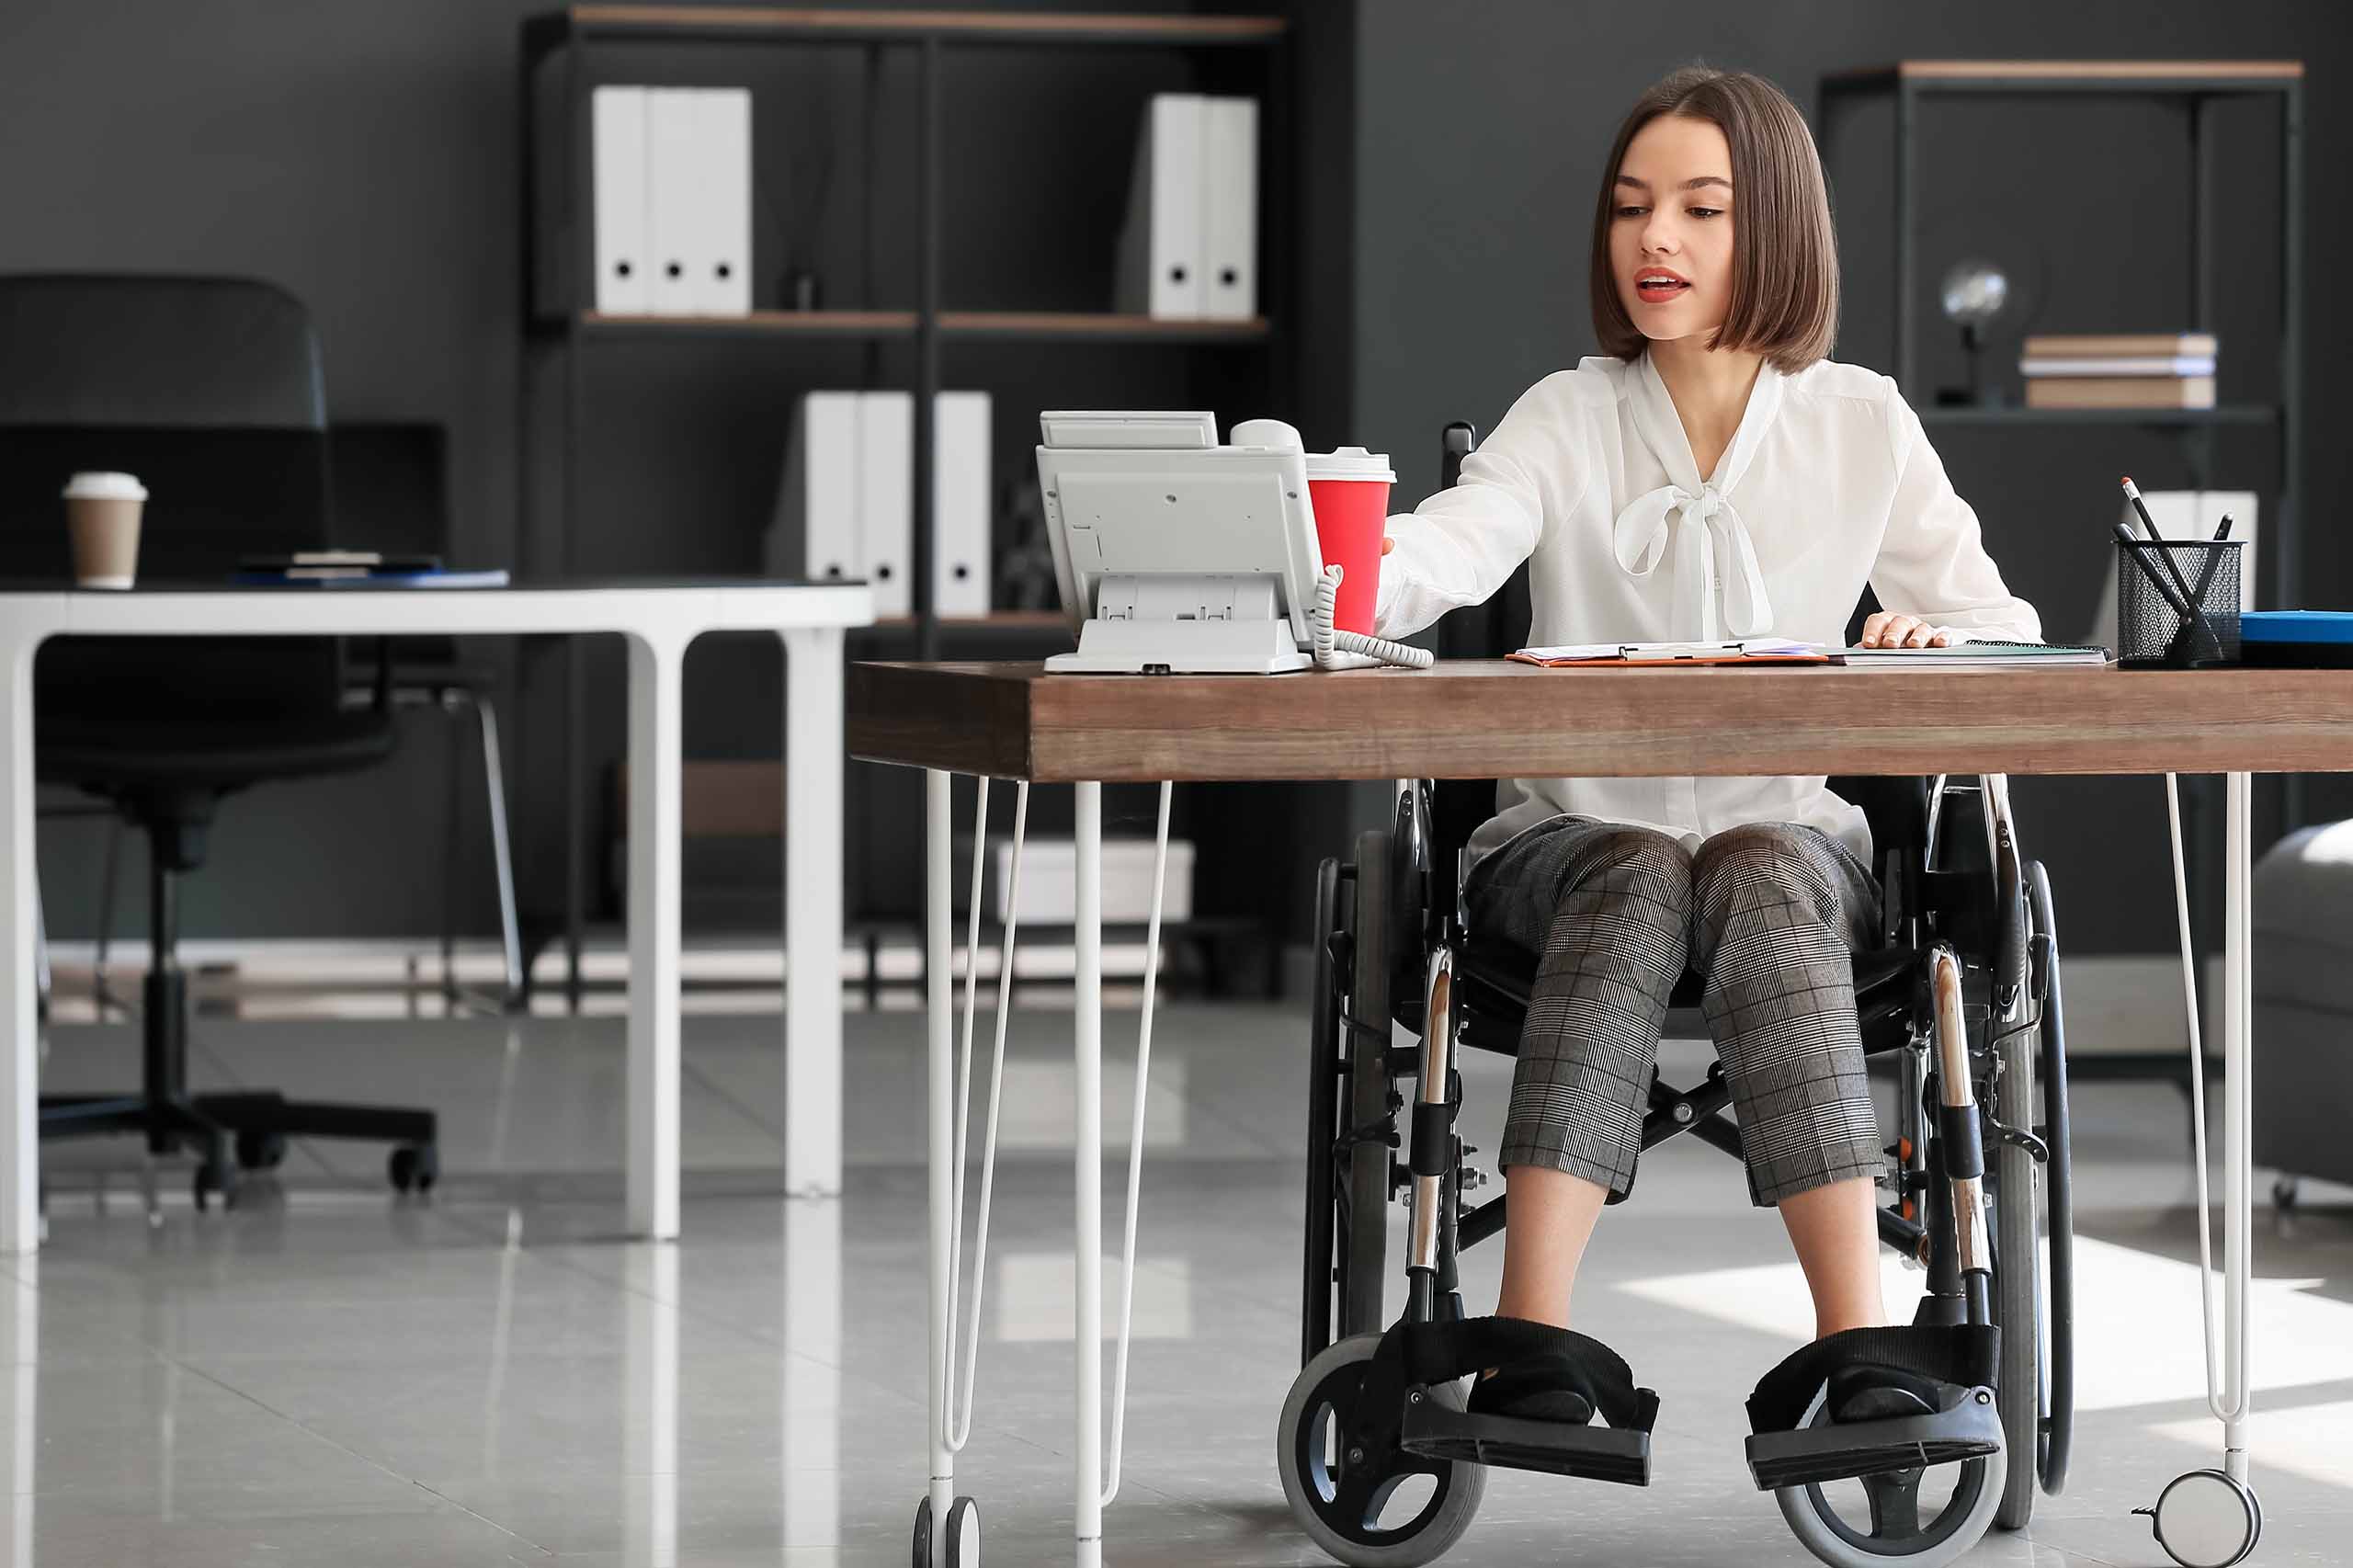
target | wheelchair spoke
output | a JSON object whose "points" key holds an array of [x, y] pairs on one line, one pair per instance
{"points": [[1895, 1504]]}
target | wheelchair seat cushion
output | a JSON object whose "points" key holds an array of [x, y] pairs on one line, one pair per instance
{"points": [[1497, 974]]}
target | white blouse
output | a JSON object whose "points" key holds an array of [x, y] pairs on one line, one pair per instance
{"points": [[1829, 483]]}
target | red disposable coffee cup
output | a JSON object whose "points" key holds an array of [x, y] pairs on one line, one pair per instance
{"points": [[1349, 490]]}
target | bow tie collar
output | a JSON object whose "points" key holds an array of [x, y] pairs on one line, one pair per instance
{"points": [[1715, 559]]}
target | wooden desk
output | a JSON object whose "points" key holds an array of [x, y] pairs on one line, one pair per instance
{"points": [[1497, 720], [1491, 720]]}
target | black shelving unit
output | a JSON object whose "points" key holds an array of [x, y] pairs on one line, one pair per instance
{"points": [[2201, 84], [571, 38]]}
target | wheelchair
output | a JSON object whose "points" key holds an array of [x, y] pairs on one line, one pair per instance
{"points": [[1383, 1463]]}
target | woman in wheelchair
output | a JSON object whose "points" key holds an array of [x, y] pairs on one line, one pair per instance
{"points": [[1711, 476]]}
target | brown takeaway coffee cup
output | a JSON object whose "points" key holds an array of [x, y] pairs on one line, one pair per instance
{"points": [[102, 510]]}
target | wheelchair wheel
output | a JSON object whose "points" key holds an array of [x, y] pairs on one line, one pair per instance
{"points": [[1921, 1517], [2025, 1387], [2059, 1195], [2033, 1256], [1392, 1510], [1364, 1225]]}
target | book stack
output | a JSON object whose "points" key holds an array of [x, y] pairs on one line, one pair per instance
{"points": [[2161, 370]]}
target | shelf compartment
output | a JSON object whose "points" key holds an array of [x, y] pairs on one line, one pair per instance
{"points": [[2073, 75], [1021, 326], [2013, 414], [848, 25]]}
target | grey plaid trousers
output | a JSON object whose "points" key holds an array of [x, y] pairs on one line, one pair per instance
{"points": [[1768, 913]]}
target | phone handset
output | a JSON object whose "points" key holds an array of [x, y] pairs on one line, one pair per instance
{"points": [[1330, 644]]}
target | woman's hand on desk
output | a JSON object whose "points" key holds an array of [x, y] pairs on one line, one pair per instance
{"points": [[1886, 629]]}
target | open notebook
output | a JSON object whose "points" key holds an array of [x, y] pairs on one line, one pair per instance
{"points": [[1783, 650], [1975, 655], [1753, 651]]}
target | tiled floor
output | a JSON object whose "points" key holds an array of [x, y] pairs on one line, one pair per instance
{"points": [[328, 1375]]}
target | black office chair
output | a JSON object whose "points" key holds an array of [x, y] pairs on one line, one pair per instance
{"points": [[210, 391], [1963, 988], [391, 494]]}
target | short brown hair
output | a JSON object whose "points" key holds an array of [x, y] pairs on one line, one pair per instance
{"points": [[1784, 254]]}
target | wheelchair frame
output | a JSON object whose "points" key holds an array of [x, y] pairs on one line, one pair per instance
{"points": [[1989, 965]]}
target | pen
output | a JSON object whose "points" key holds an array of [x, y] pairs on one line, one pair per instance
{"points": [[2188, 603], [2213, 564]]}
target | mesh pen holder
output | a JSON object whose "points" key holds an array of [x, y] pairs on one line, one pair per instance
{"points": [[2152, 629]]}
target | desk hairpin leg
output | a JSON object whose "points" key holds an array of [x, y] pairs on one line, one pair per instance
{"points": [[947, 1526], [2210, 1518]]}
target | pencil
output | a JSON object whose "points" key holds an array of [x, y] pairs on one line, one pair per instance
{"points": [[2188, 604]]}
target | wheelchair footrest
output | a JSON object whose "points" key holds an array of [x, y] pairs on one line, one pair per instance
{"points": [[1968, 1427], [1555, 1448]]}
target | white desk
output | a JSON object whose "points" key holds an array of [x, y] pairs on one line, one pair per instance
{"points": [[659, 620]]}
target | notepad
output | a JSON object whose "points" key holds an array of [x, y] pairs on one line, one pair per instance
{"points": [[1975, 655], [1750, 650]]}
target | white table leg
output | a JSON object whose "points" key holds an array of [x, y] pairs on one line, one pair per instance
{"points": [[2238, 1176], [1087, 1443], [654, 856], [940, 1137], [20, 1074], [812, 912]]}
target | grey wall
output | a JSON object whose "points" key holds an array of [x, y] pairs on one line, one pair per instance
{"points": [[363, 156], [367, 158], [1481, 129]]}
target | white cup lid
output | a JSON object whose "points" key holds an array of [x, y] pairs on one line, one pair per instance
{"points": [[105, 487], [1350, 462]]}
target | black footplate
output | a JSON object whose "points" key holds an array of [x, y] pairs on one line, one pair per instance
{"points": [[1555, 1448], [1970, 1426]]}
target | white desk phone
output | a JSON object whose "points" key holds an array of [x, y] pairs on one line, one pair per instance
{"points": [[1178, 556]]}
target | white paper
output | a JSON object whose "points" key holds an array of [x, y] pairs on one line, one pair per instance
{"points": [[1671, 650]]}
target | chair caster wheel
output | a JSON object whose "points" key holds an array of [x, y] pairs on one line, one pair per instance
{"points": [[2206, 1519], [963, 1541], [215, 1178], [415, 1168], [261, 1151], [2285, 1192], [961, 1548]]}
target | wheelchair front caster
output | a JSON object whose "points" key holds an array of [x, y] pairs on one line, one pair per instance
{"points": [[415, 1168], [1346, 1498], [2206, 1519], [1877, 1520]]}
